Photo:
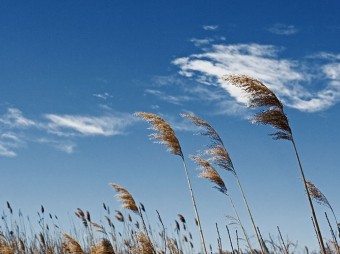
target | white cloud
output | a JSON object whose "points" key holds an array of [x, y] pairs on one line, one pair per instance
{"points": [[290, 80], [210, 27], [282, 29], [103, 96], [65, 146], [5, 151], [69, 125], [14, 118], [58, 131], [201, 42], [9, 141]]}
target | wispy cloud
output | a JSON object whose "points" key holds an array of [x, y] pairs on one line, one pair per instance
{"points": [[8, 143], [12, 121], [57, 131], [290, 79], [210, 27], [70, 125], [65, 146], [14, 118], [282, 29], [201, 42], [103, 96]]}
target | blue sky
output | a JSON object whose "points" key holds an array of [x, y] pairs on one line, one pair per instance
{"points": [[72, 73]]}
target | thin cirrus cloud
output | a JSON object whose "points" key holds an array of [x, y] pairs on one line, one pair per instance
{"points": [[291, 80], [282, 29], [57, 131], [11, 122], [210, 27], [70, 125]]}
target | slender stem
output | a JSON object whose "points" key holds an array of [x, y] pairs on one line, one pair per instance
{"points": [[333, 235], [195, 207], [231, 242], [317, 228], [249, 212], [239, 221], [283, 242], [146, 230], [219, 241], [315, 231]]}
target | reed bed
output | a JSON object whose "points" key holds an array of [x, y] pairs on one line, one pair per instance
{"points": [[127, 230]]}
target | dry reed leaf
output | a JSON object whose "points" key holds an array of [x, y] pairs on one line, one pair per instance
{"points": [[72, 247], [261, 96], [164, 133], [208, 172], [126, 198]]}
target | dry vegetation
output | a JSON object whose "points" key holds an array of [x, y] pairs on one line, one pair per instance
{"points": [[137, 236]]}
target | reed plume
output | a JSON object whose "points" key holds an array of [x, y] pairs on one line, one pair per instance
{"points": [[125, 197], [210, 173], [272, 114], [144, 245], [165, 135], [128, 203], [262, 96], [319, 197], [72, 246], [103, 247], [220, 157]]}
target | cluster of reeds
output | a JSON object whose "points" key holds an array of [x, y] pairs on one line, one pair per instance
{"points": [[136, 235]]}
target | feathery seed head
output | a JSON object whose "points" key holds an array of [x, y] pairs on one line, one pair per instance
{"points": [[262, 96], [317, 195], [208, 130], [220, 157], [208, 172], [164, 133], [125, 197], [73, 246]]}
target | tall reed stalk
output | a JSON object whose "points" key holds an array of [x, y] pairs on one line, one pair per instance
{"points": [[129, 203], [221, 158], [210, 173], [261, 96], [165, 135]]}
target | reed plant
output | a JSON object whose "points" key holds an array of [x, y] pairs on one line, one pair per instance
{"points": [[220, 156], [165, 135], [272, 113]]}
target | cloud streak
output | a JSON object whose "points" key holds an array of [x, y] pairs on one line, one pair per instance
{"points": [[210, 27], [57, 131], [291, 80], [69, 125], [282, 29]]}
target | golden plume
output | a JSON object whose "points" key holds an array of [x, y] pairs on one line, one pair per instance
{"points": [[164, 133], [219, 153], [126, 198], [73, 246], [208, 172], [261, 96]]}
